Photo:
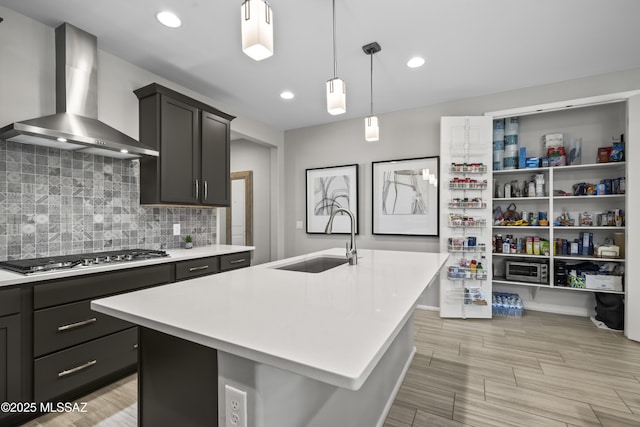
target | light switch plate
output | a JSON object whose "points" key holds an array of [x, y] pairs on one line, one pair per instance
{"points": [[299, 225], [176, 229]]}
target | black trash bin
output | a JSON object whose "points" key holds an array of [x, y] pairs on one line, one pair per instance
{"points": [[610, 310]]}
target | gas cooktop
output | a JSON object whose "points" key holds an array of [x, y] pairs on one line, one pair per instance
{"points": [[39, 265]]}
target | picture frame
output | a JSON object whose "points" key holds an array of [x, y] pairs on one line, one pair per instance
{"points": [[406, 197], [329, 188]]}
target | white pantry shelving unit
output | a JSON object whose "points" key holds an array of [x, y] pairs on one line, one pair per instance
{"points": [[595, 125], [595, 119]]}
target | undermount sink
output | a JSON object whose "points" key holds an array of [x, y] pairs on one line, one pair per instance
{"points": [[314, 265]]}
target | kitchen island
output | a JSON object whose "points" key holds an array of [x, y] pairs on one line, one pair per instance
{"points": [[310, 349]]}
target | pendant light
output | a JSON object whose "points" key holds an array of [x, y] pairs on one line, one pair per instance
{"points": [[336, 89], [257, 29], [371, 129]]}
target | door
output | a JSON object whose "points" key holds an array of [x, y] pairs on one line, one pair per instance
{"points": [[465, 289], [239, 226], [215, 160], [178, 152], [238, 205], [632, 314]]}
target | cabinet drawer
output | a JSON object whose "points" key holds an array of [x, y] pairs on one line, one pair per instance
{"points": [[197, 267], [67, 370], [70, 324], [233, 261], [98, 285], [9, 301]]}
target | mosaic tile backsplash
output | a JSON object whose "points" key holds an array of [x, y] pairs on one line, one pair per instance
{"points": [[58, 202]]}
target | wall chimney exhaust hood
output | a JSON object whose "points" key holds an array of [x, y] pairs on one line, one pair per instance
{"points": [[75, 125]]}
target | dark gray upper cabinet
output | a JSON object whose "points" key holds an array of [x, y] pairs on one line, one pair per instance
{"points": [[193, 141]]}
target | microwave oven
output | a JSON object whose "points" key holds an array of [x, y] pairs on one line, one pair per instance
{"points": [[521, 271]]}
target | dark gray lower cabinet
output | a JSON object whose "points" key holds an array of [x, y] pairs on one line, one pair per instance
{"points": [[67, 370], [11, 360], [77, 350], [177, 382], [54, 348], [197, 267], [60, 327], [234, 261]]}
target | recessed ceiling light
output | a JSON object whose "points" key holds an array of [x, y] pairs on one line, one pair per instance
{"points": [[61, 139], [169, 19], [415, 62], [287, 95]]}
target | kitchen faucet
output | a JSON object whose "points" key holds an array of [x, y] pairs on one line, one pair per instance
{"points": [[352, 253]]}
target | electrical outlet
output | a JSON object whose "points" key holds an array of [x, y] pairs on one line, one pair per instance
{"points": [[235, 403], [176, 229]]}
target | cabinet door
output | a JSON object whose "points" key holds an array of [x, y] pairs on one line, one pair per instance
{"points": [[10, 363], [215, 160], [178, 152]]}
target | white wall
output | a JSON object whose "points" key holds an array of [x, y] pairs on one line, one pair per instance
{"points": [[249, 156], [416, 133]]}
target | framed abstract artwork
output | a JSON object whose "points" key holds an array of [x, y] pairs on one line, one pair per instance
{"points": [[331, 188], [405, 197]]}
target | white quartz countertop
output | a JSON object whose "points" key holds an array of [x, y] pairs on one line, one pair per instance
{"points": [[10, 278], [332, 326]]}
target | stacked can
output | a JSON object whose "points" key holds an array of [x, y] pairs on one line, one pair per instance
{"points": [[539, 180], [511, 143], [498, 144]]}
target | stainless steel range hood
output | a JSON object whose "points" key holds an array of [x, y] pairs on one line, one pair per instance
{"points": [[75, 126]]}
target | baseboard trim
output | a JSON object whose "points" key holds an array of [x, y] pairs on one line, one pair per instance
{"points": [[396, 389], [427, 307], [545, 308]]}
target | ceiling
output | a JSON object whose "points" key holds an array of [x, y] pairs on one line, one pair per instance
{"points": [[472, 48]]}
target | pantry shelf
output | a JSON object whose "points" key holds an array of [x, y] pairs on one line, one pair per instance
{"points": [[604, 291], [497, 254], [587, 258]]}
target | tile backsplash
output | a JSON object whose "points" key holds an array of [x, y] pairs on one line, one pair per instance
{"points": [[57, 202]]}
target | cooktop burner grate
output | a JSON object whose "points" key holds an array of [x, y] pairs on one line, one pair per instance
{"points": [[37, 265]]}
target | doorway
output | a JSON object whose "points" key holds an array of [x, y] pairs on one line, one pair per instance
{"points": [[239, 224]]}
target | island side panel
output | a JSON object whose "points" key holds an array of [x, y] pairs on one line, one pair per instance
{"points": [[281, 398], [177, 382]]}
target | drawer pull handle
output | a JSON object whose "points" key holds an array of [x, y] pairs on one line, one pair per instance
{"points": [[76, 325], [204, 267], [77, 368], [135, 346], [238, 261]]}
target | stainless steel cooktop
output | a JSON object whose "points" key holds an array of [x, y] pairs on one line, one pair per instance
{"points": [[39, 265]]}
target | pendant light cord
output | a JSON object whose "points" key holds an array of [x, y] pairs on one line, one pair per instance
{"points": [[371, 54], [335, 61]]}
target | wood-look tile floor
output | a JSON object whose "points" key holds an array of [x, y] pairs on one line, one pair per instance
{"points": [[541, 370]]}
